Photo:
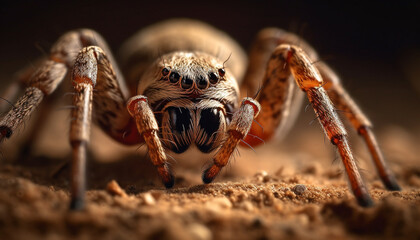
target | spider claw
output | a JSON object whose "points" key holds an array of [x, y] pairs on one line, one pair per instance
{"points": [[365, 201], [210, 174], [77, 204], [391, 184], [167, 177], [169, 183]]}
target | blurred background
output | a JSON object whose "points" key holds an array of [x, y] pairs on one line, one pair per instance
{"points": [[374, 46]]}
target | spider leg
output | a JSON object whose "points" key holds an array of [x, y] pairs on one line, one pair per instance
{"points": [[237, 130], [148, 128], [43, 82], [262, 49], [360, 123], [20, 81], [310, 81], [275, 64], [97, 85], [276, 96], [8, 97]]}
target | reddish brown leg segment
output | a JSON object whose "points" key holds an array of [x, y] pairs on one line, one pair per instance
{"points": [[384, 171], [309, 80], [148, 128], [337, 134], [286, 60], [280, 99], [360, 123], [238, 129]]}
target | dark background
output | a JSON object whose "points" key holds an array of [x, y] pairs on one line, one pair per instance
{"points": [[374, 46]]}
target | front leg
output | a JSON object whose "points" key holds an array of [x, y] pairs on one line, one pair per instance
{"points": [[93, 70], [148, 128], [238, 130]]}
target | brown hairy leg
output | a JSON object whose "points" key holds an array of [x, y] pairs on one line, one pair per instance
{"points": [[237, 130], [359, 122], [277, 97], [277, 92], [148, 128], [97, 85], [43, 82]]}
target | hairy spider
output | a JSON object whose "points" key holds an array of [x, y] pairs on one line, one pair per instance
{"points": [[179, 92]]}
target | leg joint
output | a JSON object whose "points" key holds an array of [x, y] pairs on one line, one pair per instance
{"points": [[337, 138], [78, 143], [362, 130]]}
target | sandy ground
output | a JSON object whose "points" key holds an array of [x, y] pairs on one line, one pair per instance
{"points": [[292, 189]]}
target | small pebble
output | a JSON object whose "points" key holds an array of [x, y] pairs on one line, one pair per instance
{"points": [[218, 205], [299, 189], [222, 202], [289, 194], [261, 175], [148, 199], [279, 207], [257, 222], [200, 232], [114, 189], [247, 206]]}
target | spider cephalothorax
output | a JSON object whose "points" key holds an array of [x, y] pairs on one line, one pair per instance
{"points": [[193, 98]]}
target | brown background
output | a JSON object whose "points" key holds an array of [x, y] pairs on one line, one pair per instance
{"points": [[375, 46]]}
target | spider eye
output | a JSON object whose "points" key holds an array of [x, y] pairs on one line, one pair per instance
{"points": [[202, 82], [186, 82], [213, 78], [222, 72], [174, 77], [165, 71]]}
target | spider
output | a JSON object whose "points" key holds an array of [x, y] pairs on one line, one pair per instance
{"points": [[179, 92]]}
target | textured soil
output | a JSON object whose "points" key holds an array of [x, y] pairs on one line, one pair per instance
{"points": [[292, 189]]}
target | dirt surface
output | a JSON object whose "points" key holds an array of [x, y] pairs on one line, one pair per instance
{"points": [[292, 189]]}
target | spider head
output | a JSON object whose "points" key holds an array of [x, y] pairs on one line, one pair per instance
{"points": [[192, 75], [193, 97]]}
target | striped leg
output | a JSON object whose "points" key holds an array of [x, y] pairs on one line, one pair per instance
{"points": [[287, 60], [360, 123]]}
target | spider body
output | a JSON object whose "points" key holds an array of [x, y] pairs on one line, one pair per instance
{"points": [[184, 81], [181, 67]]}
